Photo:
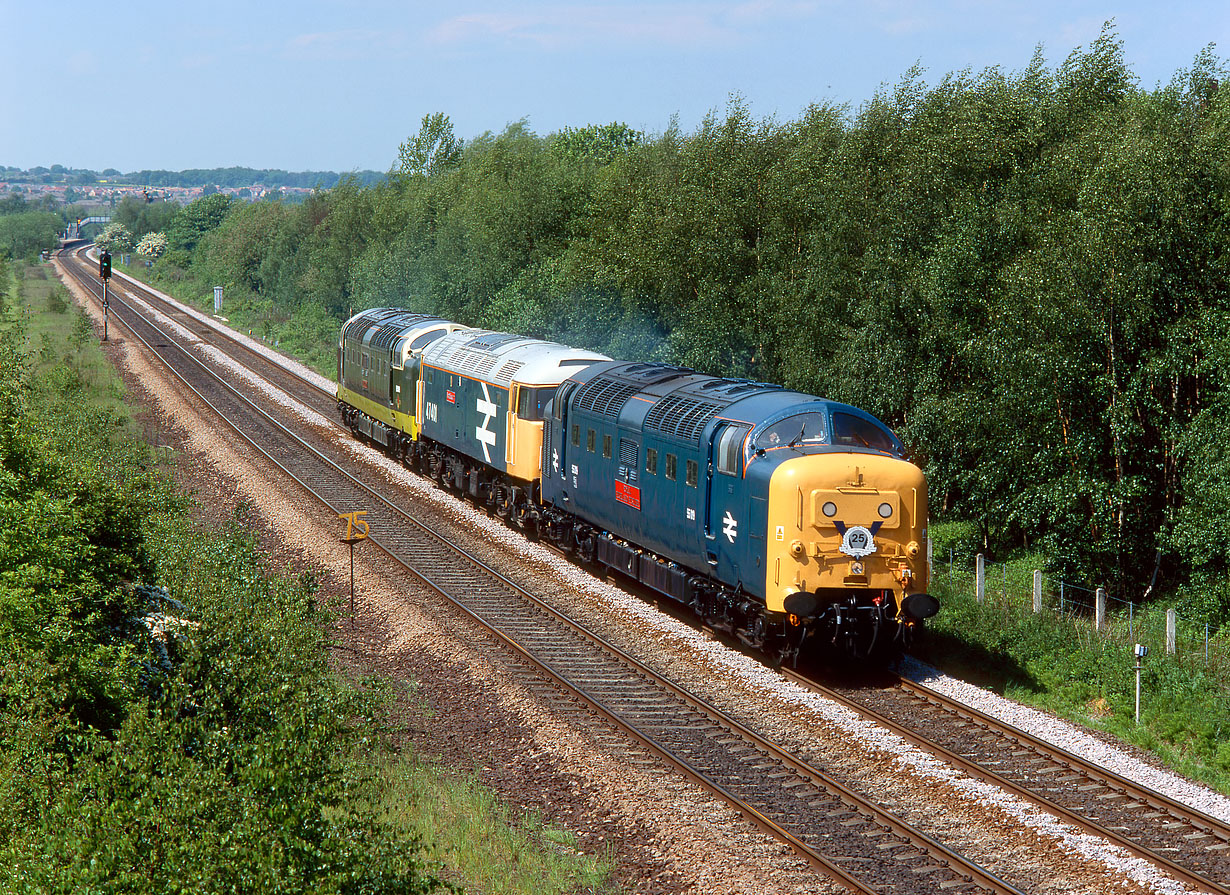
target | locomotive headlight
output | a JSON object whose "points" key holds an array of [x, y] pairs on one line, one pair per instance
{"points": [[829, 509], [886, 510]]}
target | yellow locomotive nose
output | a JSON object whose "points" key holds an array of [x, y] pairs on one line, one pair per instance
{"points": [[842, 523]]}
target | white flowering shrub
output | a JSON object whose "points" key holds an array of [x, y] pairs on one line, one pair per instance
{"points": [[114, 238], [152, 245]]}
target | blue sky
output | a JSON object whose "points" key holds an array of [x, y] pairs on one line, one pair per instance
{"points": [[337, 85]]}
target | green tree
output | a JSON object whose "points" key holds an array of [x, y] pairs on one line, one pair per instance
{"points": [[25, 234], [196, 219], [433, 150]]}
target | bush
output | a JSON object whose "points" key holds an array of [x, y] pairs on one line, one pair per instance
{"points": [[151, 740]]}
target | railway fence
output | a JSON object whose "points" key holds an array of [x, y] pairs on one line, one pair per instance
{"points": [[1092, 613]]}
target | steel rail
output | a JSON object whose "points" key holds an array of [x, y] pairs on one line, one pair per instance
{"points": [[1201, 823], [320, 399]]}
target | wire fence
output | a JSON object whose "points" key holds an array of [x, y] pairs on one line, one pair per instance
{"points": [[1093, 612]]}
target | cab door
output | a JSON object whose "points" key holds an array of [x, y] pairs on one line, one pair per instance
{"points": [[726, 517], [558, 451]]}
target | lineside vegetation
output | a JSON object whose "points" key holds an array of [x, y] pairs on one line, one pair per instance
{"points": [[169, 721]]}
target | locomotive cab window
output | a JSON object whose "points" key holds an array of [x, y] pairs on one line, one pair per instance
{"points": [[729, 448], [426, 339], [531, 402], [691, 473], [855, 431], [799, 431]]}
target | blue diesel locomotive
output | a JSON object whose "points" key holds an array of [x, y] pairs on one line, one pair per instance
{"points": [[788, 521]]}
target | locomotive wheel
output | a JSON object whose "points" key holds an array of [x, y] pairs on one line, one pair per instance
{"points": [[504, 499]]}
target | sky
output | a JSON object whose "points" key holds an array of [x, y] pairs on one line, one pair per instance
{"points": [[338, 85]]}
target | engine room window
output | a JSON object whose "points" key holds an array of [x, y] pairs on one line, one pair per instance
{"points": [[589, 441], [729, 447], [670, 466], [651, 461], [606, 447], [576, 435], [801, 430], [692, 469], [431, 376], [854, 431]]}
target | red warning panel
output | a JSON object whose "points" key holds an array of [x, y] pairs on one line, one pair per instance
{"points": [[628, 494], [451, 396]]}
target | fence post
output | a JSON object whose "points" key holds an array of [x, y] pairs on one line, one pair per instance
{"points": [[1037, 590], [1170, 626], [1099, 609], [1061, 596], [980, 577], [930, 558]]}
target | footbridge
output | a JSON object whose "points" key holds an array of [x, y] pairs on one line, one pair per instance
{"points": [[77, 228]]}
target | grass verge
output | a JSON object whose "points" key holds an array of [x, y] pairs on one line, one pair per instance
{"points": [[473, 834]]}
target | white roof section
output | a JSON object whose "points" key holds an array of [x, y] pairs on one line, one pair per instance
{"points": [[504, 358]]}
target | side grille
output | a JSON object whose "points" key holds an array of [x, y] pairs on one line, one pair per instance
{"points": [[605, 397], [682, 417]]}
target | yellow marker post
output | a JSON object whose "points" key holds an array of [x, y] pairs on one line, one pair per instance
{"points": [[356, 530]]}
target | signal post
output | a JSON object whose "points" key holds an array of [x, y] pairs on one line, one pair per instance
{"points": [[104, 273]]}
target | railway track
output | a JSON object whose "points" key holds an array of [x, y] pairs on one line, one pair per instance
{"points": [[841, 833], [237, 351], [1187, 844]]}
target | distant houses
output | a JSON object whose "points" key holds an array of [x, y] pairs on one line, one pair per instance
{"points": [[104, 192]]}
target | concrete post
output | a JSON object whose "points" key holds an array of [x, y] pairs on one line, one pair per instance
{"points": [[1099, 610], [1170, 632], [980, 578], [1037, 590]]}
